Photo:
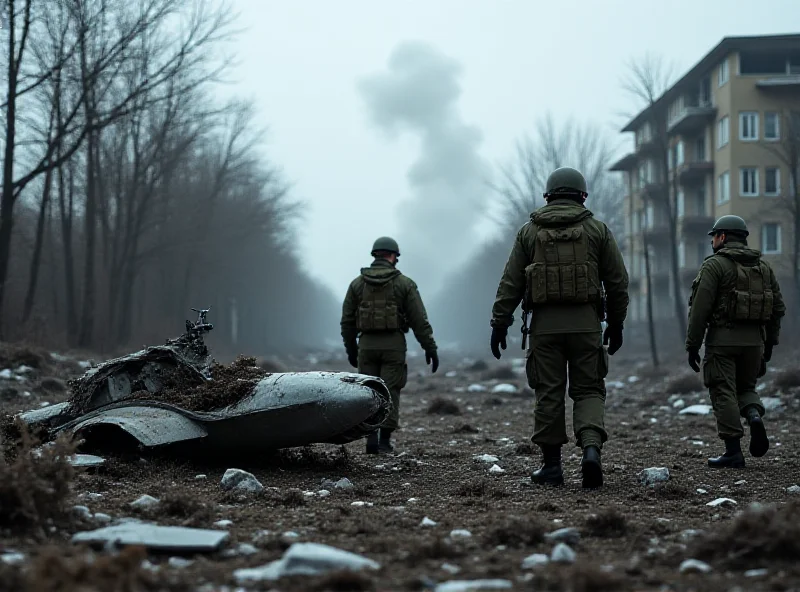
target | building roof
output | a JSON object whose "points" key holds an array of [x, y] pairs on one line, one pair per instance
{"points": [[723, 48]]}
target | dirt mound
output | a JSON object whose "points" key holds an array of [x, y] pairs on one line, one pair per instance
{"points": [[761, 534], [607, 524], [686, 383], [441, 406], [229, 384], [15, 355]]}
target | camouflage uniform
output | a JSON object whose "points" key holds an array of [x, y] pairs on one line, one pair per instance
{"points": [[734, 348], [383, 353]]}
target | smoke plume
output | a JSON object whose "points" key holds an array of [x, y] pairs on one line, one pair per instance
{"points": [[418, 94]]}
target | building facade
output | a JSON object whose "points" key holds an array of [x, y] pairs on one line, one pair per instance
{"points": [[722, 140]]}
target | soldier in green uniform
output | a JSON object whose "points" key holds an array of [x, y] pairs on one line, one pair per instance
{"points": [[380, 307], [736, 305], [560, 264]]}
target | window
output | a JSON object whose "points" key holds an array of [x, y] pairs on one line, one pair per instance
{"points": [[771, 239], [681, 204], [679, 154], [649, 216], [772, 181], [723, 131], [724, 188], [772, 129], [704, 96], [700, 149], [681, 254], [748, 126], [722, 73], [748, 182]]}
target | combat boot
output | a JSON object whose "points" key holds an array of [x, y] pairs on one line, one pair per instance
{"points": [[759, 442], [385, 444], [550, 472], [591, 467], [733, 457], [372, 443]]}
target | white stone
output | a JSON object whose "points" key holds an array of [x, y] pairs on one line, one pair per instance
{"points": [[504, 388], [344, 483], [794, 489], [6, 374], [695, 410], [740, 482], [144, 502], [562, 553], [694, 566], [91, 496], [154, 536], [688, 535], [476, 388], [427, 522], [472, 585], [101, 518], [654, 475], [86, 460], [223, 523], [361, 504], [240, 481], [496, 469], [535, 560], [450, 568], [308, 559], [323, 493], [200, 477], [679, 404], [756, 573], [12, 558], [487, 458], [571, 536], [82, 512], [23, 369], [412, 500], [633, 379], [451, 374], [701, 491], [179, 562], [460, 534], [615, 384], [771, 403], [721, 501]]}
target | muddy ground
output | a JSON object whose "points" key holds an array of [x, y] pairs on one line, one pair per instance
{"points": [[632, 537]]}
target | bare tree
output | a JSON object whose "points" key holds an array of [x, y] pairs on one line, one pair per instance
{"points": [[648, 79], [581, 146]]}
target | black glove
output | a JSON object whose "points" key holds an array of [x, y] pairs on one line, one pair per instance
{"points": [[352, 357], [498, 340], [612, 337], [694, 359], [432, 358], [768, 351]]}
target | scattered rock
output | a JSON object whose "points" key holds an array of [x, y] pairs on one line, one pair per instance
{"points": [[450, 568], [741, 482], [496, 469], [101, 518], [701, 491], [535, 560], [323, 493], [571, 536], [772, 403], [721, 501], [451, 374], [694, 566], [153, 536], [476, 388], [307, 559], [472, 585], [689, 534], [12, 558], [562, 553], [679, 404], [460, 534], [179, 562], [654, 475], [504, 388], [695, 410], [145, 502], [487, 458], [200, 477], [223, 523], [242, 549], [427, 522], [82, 512], [794, 489], [240, 481], [343, 484], [361, 504], [756, 573], [86, 460]]}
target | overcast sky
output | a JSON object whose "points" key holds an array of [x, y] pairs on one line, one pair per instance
{"points": [[333, 81]]}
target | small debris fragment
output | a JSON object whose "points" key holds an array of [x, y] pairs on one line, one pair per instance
{"points": [[701, 491], [323, 493], [344, 484], [361, 504], [240, 481], [487, 458], [696, 410], [496, 469], [223, 523], [153, 536], [794, 489], [535, 560], [12, 558], [472, 585], [450, 568], [86, 460], [741, 482], [756, 573], [694, 566], [476, 388], [562, 553], [460, 534], [179, 562], [82, 512], [721, 501], [654, 475], [571, 536], [509, 389], [200, 477], [306, 559], [145, 502], [427, 522], [101, 518]]}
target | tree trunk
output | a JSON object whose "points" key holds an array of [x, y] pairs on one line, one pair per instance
{"points": [[672, 186], [33, 278], [86, 330], [66, 212], [648, 284]]}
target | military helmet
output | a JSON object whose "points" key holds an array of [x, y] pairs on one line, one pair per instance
{"points": [[565, 180], [386, 243], [729, 223]]}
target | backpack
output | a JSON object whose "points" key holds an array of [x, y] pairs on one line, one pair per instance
{"points": [[377, 310]]}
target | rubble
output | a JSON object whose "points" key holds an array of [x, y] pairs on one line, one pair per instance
{"points": [[654, 475], [307, 559], [155, 537], [241, 482]]}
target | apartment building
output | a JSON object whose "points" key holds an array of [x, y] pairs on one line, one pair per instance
{"points": [[715, 143]]}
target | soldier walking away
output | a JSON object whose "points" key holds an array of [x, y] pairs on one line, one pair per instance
{"points": [[380, 307], [736, 305], [560, 263]]}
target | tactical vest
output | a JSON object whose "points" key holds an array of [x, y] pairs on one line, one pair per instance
{"points": [[750, 299], [378, 310], [561, 271]]}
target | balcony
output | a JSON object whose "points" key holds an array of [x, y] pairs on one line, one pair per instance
{"points": [[654, 190], [691, 173], [788, 81], [626, 163], [657, 233], [692, 120], [648, 147], [696, 224]]}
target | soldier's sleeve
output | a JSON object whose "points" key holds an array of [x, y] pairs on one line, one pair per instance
{"points": [[348, 322], [417, 318], [701, 303], [773, 327], [511, 289], [615, 280]]}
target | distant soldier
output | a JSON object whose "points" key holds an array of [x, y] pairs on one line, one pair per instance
{"points": [[736, 305], [559, 264], [380, 306]]}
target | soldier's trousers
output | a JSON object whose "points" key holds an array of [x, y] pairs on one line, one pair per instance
{"points": [[582, 358], [389, 365], [730, 374]]}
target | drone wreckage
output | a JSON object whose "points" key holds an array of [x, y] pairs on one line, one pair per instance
{"points": [[120, 403]]}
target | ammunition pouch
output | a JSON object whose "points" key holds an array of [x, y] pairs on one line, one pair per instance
{"points": [[377, 311]]}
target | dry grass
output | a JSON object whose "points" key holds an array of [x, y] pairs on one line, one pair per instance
{"points": [[190, 510], [607, 524], [517, 532], [440, 406]]}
